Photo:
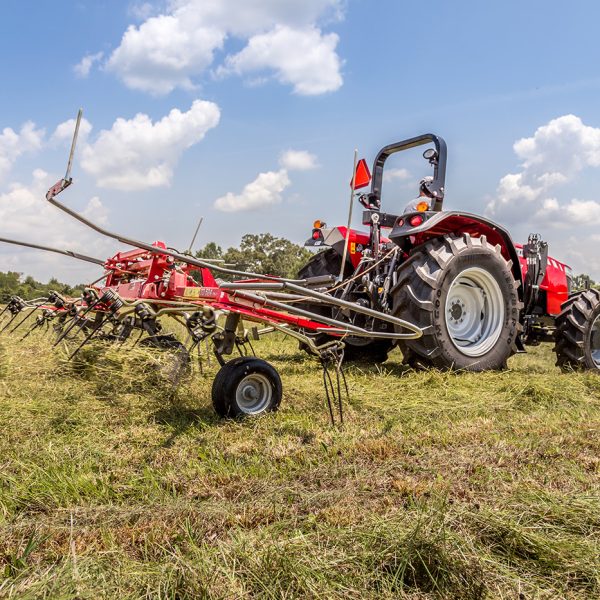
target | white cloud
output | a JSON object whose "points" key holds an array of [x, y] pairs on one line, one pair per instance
{"points": [[264, 191], [566, 215], [64, 131], [84, 66], [137, 153], [563, 146], [396, 174], [553, 156], [164, 53], [242, 18], [13, 144], [298, 160], [304, 58], [535, 198], [27, 216], [142, 10], [172, 49]]}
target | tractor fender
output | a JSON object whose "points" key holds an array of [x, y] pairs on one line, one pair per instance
{"points": [[438, 224]]}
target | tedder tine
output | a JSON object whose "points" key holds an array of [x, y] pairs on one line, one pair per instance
{"points": [[9, 322], [33, 328], [87, 338], [31, 312], [77, 319], [67, 329]]}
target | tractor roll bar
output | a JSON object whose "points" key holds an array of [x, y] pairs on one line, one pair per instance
{"points": [[436, 187], [70, 253]]}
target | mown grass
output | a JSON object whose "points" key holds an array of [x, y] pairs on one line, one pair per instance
{"points": [[439, 485]]}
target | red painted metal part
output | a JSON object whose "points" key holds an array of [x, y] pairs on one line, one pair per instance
{"points": [[356, 242], [140, 275], [554, 282]]}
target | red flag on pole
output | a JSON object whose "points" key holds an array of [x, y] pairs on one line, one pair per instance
{"points": [[362, 177]]}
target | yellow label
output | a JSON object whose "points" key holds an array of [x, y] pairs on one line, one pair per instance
{"points": [[191, 292], [201, 292], [352, 247]]}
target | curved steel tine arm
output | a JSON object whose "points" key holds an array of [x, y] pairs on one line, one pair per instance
{"points": [[37, 301], [341, 327], [76, 255], [32, 311], [375, 335], [51, 197], [234, 287], [10, 322]]}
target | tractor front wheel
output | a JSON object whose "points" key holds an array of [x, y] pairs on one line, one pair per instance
{"points": [[577, 332], [246, 386], [461, 292]]}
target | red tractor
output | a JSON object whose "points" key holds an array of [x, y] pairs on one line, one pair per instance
{"points": [[477, 296]]}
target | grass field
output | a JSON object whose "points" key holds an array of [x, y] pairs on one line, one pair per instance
{"points": [[439, 485]]}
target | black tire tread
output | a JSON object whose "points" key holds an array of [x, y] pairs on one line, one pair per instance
{"points": [[572, 331], [418, 286], [229, 376]]}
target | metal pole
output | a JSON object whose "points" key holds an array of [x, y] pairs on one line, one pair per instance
{"points": [[195, 234], [73, 144], [349, 215]]}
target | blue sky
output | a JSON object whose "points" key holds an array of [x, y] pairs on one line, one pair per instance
{"points": [[251, 81]]}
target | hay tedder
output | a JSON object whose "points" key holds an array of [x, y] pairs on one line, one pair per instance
{"points": [[449, 288]]}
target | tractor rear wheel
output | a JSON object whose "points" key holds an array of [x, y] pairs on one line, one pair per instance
{"points": [[461, 292], [577, 332], [329, 262]]}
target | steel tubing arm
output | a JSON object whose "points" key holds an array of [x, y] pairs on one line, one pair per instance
{"points": [[153, 249], [325, 298], [70, 253], [340, 326]]}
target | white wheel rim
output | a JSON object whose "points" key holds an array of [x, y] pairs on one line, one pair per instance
{"points": [[474, 311], [253, 393], [595, 341]]}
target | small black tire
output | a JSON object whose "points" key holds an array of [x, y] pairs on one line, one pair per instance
{"points": [[577, 333], [329, 262], [453, 279], [246, 386]]}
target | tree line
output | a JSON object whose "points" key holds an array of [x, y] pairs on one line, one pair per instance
{"points": [[261, 253], [15, 284]]}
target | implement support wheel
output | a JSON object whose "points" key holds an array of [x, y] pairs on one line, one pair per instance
{"points": [[246, 386]]}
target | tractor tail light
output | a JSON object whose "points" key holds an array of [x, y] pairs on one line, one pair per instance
{"points": [[416, 220], [316, 234]]}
